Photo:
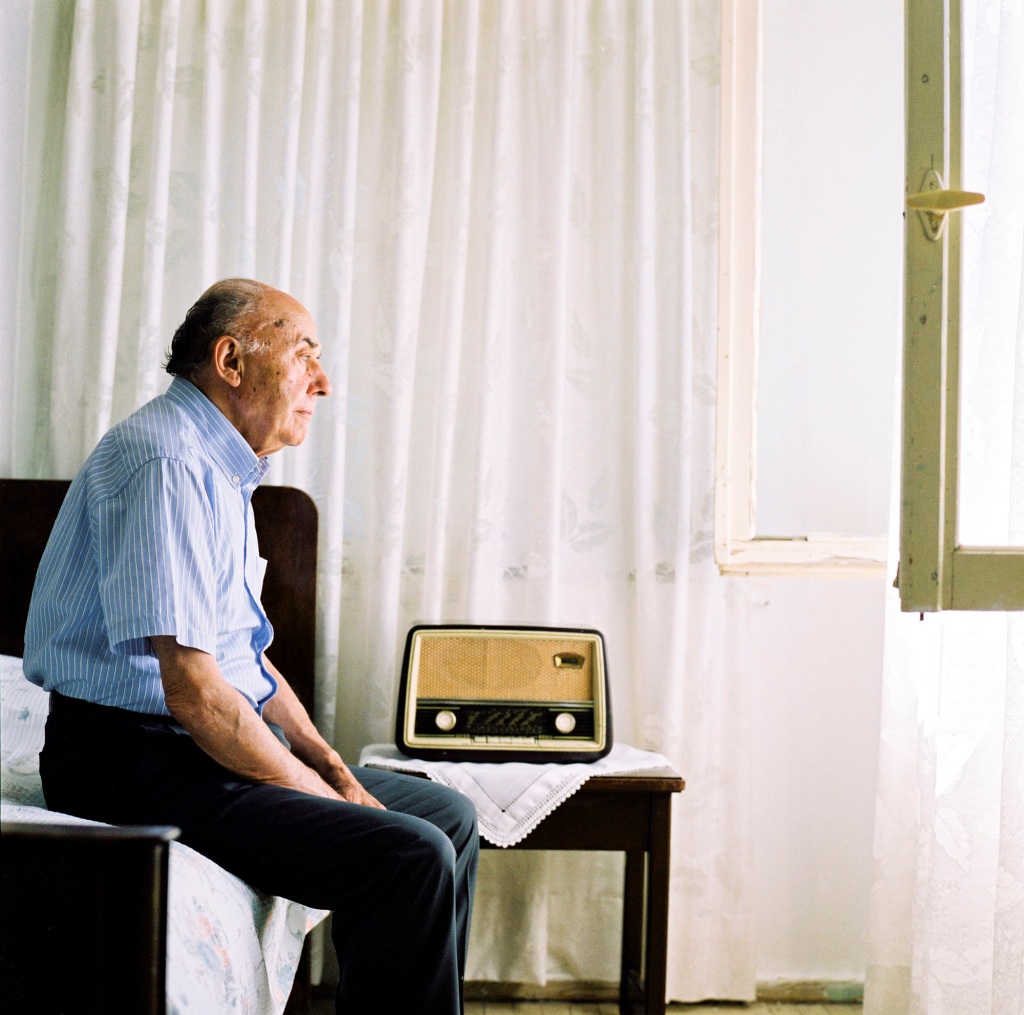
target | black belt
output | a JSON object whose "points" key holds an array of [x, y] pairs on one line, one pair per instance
{"points": [[61, 704]]}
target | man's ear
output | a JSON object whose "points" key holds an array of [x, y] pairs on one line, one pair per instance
{"points": [[227, 360]]}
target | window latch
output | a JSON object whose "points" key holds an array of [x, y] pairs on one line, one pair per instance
{"points": [[934, 201]]}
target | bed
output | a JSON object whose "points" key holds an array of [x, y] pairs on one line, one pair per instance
{"points": [[127, 918]]}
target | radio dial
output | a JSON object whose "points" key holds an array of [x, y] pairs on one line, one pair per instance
{"points": [[565, 722], [445, 720]]}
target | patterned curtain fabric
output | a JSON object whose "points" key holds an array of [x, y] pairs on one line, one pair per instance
{"points": [[502, 216], [948, 902]]}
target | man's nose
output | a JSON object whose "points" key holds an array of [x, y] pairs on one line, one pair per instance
{"points": [[321, 383]]}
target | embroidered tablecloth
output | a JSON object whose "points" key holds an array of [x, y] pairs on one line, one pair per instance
{"points": [[511, 799]]}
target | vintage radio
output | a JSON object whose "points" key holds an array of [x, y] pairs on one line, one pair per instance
{"points": [[504, 694]]}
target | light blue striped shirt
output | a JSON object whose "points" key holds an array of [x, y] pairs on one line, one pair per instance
{"points": [[155, 537]]}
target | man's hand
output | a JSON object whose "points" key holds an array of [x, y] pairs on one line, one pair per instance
{"points": [[286, 710], [350, 789]]}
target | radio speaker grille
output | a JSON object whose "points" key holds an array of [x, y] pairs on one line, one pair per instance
{"points": [[505, 668]]}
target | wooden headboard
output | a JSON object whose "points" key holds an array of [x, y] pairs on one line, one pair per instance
{"points": [[286, 524]]}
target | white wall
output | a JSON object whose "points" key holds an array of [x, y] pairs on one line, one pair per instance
{"points": [[831, 264], [816, 646], [832, 251]]}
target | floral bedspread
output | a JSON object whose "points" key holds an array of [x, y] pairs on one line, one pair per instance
{"points": [[229, 948]]}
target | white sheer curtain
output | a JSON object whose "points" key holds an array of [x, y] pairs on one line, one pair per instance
{"points": [[502, 215], [948, 903]]}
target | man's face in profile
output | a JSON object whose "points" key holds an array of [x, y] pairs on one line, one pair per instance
{"points": [[283, 379]]}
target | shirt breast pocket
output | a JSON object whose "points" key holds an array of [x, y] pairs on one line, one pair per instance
{"points": [[259, 572]]}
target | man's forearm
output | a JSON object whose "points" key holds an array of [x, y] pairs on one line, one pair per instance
{"points": [[285, 709], [225, 725]]}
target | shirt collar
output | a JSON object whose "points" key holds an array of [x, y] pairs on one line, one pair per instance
{"points": [[225, 445]]}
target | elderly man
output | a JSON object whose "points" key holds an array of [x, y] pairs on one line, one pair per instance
{"points": [[147, 630]]}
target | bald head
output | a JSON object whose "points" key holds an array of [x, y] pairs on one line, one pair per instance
{"points": [[229, 307], [254, 352]]}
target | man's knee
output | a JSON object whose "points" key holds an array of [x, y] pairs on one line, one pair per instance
{"points": [[454, 813], [442, 848], [427, 851]]}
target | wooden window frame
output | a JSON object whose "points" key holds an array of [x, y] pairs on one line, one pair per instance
{"points": [[738, 548], [935, 571]]}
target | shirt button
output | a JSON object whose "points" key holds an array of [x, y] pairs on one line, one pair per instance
{"points": [[235, 480]]}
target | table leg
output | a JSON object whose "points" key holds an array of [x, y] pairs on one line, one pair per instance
{"points": [[657, 907], [632, 981]]}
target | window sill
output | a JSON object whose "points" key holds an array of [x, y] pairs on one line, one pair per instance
{"points": [[811, 556]]}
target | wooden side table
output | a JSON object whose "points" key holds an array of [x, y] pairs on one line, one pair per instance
{"points": [[629, 814]]}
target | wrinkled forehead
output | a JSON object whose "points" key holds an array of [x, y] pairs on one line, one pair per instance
{"points": [[284, 316]]}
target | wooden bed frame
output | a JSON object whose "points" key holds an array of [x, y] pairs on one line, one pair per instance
{"points": [[286, 524]]}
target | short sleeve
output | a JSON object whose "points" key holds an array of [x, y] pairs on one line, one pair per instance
{"points": [[156, 546]]}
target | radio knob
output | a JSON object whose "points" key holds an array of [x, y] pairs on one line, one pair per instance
{"points": [[445, 720], [565, 722]]}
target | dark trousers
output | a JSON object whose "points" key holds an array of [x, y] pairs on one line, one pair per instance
{"points": [[400, 882]]}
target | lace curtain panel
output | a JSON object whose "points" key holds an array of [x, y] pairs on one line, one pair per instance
{"points": [[502, 216], [947, 932]]}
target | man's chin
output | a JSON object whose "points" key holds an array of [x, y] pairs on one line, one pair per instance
{"points": [[297, 436]]}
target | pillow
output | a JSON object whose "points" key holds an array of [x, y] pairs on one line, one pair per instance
{"points": [[23, 710]]}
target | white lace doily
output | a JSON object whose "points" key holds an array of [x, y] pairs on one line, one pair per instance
{"points": [[511, 799]]}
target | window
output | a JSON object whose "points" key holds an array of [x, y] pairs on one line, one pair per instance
{"points": [[938, 571], [809, 285]]}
